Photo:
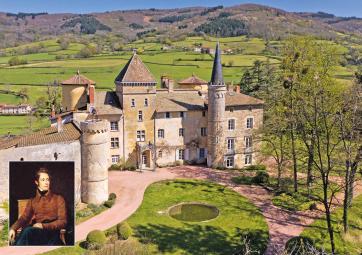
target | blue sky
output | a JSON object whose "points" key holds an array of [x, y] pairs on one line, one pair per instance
{"points": [[337, 7]]}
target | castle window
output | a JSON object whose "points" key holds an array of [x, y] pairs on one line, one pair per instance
{"points": [[167, 115], [231, 109], [115, 159], [231, 144], [203, 113], [201, 153], [114, 142], [181, 154], [231, 124], [133, 102], [141, 136], [230, 162], [182, 114], [181, 132], [160, 154], [249, 122], [248, 141], [140, 116], [146, 102], [161, 133], [203, 131], [114, 125], [248, 159]]}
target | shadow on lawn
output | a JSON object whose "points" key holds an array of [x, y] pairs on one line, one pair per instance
{"points": [[196, 239]]}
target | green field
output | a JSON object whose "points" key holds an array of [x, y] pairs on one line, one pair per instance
{"points": [[179, 63], [21, 124]]}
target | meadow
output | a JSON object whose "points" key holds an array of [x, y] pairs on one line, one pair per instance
{"points": [[179, 62]]}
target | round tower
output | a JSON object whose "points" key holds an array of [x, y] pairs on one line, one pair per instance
{"points": [[216, 114], [95, 151]]}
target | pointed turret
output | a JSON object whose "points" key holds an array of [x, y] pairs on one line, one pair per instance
{"points": [[216, 114], [216, 76]]}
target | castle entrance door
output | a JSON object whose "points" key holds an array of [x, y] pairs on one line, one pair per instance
{"points": [[146, 159]]}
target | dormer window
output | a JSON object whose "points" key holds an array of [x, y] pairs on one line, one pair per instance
{"points": [[133, 102]]}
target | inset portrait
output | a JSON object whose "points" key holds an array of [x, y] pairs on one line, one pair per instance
{"points": [[41, 203]]}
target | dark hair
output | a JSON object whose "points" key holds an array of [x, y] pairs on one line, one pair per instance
{"points": [[41, 170]]}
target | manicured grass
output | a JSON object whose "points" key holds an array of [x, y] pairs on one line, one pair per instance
{"points": [[350, 243], [238, 218], [222, 235]]}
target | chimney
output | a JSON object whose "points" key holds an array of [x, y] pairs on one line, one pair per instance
{"points": [[91, 94], [230, 87], [164, 81], [52, 114], [59, 124], [237, 88], [170, 85]]}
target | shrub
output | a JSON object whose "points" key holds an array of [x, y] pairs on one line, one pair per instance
{"points": [[96, 239], [112, 196], [124, 231], [114, 167], [109, 203], [255, 167], [261, 177], [14, 61], [242, 180], [84, 213], [298, 245], [96, 208], [220, 167]]}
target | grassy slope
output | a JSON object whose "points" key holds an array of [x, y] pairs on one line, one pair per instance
{"points": [[345, 244]]}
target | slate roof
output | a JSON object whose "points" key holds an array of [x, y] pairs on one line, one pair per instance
{"points": [[175, 102], [78, 79], [107, 102], [45, 136], [135, 71], [193, 80], [216, 76]]}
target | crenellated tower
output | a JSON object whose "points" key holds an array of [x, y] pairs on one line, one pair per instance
{"points": [[216, 114], [95, 145]]}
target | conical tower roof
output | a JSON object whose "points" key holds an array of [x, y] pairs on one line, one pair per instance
{"points": [[216, 76], [135, 71]]}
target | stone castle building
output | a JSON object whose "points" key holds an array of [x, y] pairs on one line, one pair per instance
{"points": [[144, 126]]}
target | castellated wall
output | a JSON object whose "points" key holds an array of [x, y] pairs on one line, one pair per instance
{"points": [[45, 152], [95, 148]]}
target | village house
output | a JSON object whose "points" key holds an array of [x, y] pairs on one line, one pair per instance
{"points": [[21, 109]]}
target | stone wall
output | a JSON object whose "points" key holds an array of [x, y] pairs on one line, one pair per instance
{"points": [[65, 151]]}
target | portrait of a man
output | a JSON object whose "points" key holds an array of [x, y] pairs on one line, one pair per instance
{"points": [[43, 218]]}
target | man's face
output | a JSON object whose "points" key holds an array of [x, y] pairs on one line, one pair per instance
{"points": [[43, 183]]}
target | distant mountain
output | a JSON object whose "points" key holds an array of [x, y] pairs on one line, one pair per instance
{"points": [[250, 19]]}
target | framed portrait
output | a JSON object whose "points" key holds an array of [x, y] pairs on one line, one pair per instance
{"points": [[41, 203]]}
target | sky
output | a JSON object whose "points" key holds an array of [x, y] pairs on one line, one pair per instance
{"points": [[337, 7]]}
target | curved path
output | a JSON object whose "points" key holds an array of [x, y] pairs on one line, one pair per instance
{"points": [[130, 187]]}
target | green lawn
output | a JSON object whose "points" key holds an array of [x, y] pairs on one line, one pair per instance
{"points": [[238, 218], [222, 235], [350, 243]]}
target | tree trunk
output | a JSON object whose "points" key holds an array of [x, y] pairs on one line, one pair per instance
{"points": [[294, 155], [346, 197], [310, 167], [328, 212]]}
